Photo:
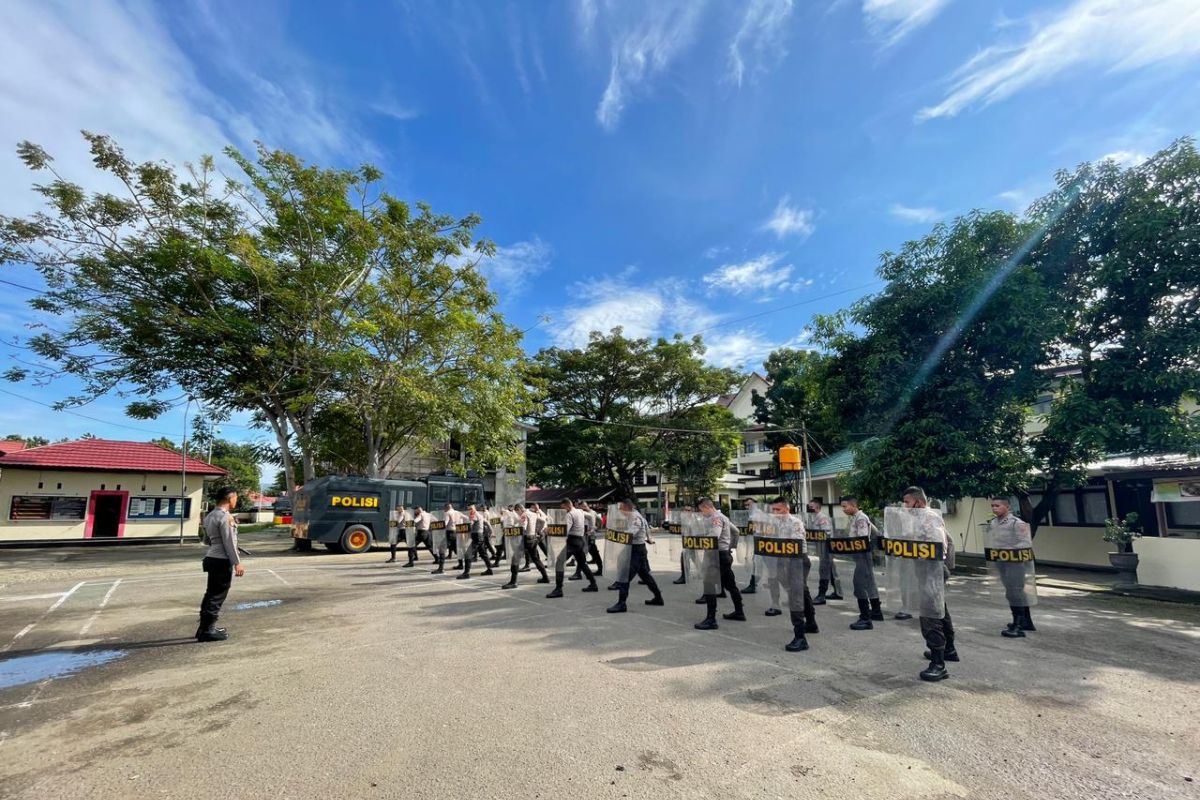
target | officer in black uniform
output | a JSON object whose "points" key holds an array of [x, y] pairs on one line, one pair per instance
{"points": [[478, 546], [221, 562], [639, 560]]}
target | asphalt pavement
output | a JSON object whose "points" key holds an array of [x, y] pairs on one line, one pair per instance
{"points": [[348, 677]]}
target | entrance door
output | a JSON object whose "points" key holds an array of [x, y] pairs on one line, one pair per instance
{"points": [[107, 515], [1133, 495]]}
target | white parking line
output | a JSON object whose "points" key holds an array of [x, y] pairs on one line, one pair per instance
{"points": [[20, 597], [45, 614], [277, 575], [92, 620]]}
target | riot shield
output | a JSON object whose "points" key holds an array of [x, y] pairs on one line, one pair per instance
{"points": [[437, 534], [918, 536], [697, 547], [410, 532], [514, 539], [618, 542], [556, 533], [850, 544], [395, 520], [496, 522], [745, 565], [780, 549], [462, 535], [1012, 575]]}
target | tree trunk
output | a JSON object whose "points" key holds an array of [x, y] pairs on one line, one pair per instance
{"points": [[282, 437], [1036, 515]]}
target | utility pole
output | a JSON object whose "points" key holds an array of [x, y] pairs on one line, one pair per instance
{"points": [[183, 472]]}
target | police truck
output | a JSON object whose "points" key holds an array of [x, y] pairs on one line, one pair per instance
{"points": [[350, 515]]}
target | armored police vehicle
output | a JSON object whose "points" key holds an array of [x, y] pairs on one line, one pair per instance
{"points": [[351, 514]]}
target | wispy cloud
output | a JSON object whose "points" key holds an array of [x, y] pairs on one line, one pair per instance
{"points": [[514, 266], [745, 348], [394, 110], [891, 20], [643, 48], [919, 214], [790, 220], [763, 275], [1103, 35], [760, 38], [1125, 158]]}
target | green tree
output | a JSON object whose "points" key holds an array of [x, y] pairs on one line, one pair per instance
{"points": [[696, 461], [240, 462], [604, 408], [796, 402], [30, 441]]}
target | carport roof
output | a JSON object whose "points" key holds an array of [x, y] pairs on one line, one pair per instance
{"points": [[107, 455]]}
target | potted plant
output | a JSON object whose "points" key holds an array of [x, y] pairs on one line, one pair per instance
{"points": [[1122, 533]]}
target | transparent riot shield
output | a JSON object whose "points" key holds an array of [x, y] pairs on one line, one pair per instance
{"points": [[781, 552], [1012, 575], [437, 534], [917, 536], [851, 543], [556, 535], [514, 539], [462, 535], [618, 542], [395, 520], [696, 547], [409, 526], [745, 565]]}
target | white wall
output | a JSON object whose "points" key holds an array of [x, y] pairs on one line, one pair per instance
{"points": [[1168, 561]]}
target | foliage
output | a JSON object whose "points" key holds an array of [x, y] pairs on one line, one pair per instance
{"points": [[30, 441], [796, 401], [293, 290], [1122, 532], [604, 407], [695, 462]]}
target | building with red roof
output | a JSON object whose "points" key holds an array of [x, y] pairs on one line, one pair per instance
{"points": [[99, 490]]}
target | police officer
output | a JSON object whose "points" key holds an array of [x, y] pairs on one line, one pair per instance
{"points": [[541, 531], [453, 518], [751, 510], [529, 524], [937, 630], [827, 575], [576, 547], [592, 523], [221, 563], [1006, 528], [793, 573], [395, 530], [478, 546], [639, 559], [718, 525], [421, 519], [865, 589]]}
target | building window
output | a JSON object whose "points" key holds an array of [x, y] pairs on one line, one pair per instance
{"points": [[751, 472], [639, 479], [1183, 516], [35, 508], [749, 447], [1042, 405], [157, 508], [1086, 507], [652, 479]]}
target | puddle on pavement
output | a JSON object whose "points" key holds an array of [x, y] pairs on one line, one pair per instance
{"points": [[256, 604], [30, 669]]}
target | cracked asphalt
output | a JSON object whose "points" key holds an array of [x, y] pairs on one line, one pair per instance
{"points": [[348, 677]]}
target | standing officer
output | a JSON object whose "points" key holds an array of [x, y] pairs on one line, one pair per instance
{"points": [[791, 573], [453, 518], [592, 521], [396, 527], [421, 520], [865, 589], [541, 530], [931, 577], [1008, 534], [751, 512], [528, 522], [221, 563], [478, 544], [718, 525], [575, 548], [639, 559], [821, 526]]}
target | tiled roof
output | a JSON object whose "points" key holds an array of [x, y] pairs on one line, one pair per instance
{"points": [[11, 446], [545, 496], [836, 464], [105, 454]]}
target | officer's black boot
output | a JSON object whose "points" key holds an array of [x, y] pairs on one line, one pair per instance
{"points": [[619, 606], [1026, 620], [936, 671], [822, 587], [412, 559], [709, 623], [512, 579], [810, 619], [441, 565], [1013, 630], [876, 610], [680, 581], [391, 547], [753, 587], [487, 568], [836, 594], [950, 654], [798, 641], [558, 582], [864, 617], [466, 573], [208, 630]]}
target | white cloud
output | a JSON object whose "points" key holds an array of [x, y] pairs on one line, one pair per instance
{"points": [[642, 48], [745, 348], [788, 220], [921, 214], [1103, 35], [394, 110], [1126, 158], [510, 270], [759, 37], [758, 275], [892, 20]]}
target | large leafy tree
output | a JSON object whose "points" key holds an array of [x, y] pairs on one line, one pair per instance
{"points": [[695, 462], [796, 403], [606, 408], [267, 293]]}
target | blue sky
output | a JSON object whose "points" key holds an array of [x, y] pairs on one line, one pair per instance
{"points": [[666, 166]]}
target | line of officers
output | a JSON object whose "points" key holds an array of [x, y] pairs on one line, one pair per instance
{"points": [[769, 547]]}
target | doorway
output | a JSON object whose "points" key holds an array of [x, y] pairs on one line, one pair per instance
{"points": [[1134, 495], [108, 515]]}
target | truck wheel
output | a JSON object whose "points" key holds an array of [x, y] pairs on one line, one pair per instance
{"points": [[356, 539]]}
